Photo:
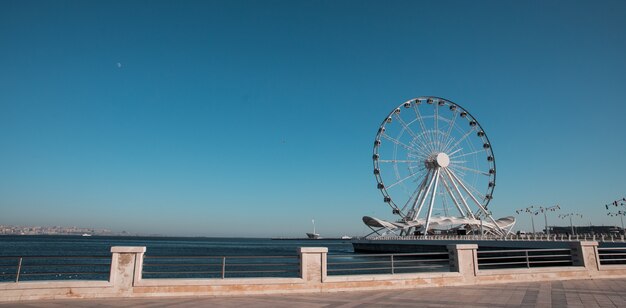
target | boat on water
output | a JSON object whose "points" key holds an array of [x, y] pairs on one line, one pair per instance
{"points": [[314, 235]]}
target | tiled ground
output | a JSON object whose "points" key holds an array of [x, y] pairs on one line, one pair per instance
{"points": [[572, 293]]}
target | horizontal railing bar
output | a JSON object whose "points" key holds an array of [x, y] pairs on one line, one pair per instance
{"points": [[611, 248], [183, 264], [220, 264], [56, 257], [260, 265], [386, 261], [523, 257], [360, 262], [425, 260], [60, 273], [219, 272], [520, 250], [613, 254], [183, 272], [62, 265], [551, 261], [501, 263], [609, 260], [387, 255], [359, 269], [273, 271], [221, 257], [525, 263]]}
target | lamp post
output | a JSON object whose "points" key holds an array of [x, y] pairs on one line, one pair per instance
{"points": [[545, 210], [570, 215], [529, 210], [621, 215], [616, 203]]}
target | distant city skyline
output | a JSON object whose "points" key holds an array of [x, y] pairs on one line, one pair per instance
{"points": [[250, 118]]}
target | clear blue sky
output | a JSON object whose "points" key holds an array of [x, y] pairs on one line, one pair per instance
{"points": [[250, 118]]}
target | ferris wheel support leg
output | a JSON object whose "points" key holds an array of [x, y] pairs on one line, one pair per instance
{"points": [[418, 197], [432, 201], [458, 191], [425, 195], [502, 232], [456, 203]]}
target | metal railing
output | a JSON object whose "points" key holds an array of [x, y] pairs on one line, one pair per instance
{"points": [[612, 255], [511, 237], [220, 266], [30, 268], [520, 258], [356, 264]]}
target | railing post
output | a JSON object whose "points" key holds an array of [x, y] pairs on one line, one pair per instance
{"points": [[392, 269], [527, 259], [313, 264], [585, 253], [19, 269], [463, 259], [223, 267], [126, 267]]}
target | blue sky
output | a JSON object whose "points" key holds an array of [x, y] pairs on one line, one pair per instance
{"points": [[250, 118]]}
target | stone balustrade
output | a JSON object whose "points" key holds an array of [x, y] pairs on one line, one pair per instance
{"points": [[127, 265]]}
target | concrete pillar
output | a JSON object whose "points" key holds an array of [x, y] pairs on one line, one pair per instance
{"points": [[585, 253], [313, 263], [463, 259], [126, 267]]}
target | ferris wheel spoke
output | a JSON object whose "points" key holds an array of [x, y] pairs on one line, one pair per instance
{"points": [[447, 140], [402, 180], [422, 125], [470, 170], [406, 126], [397, 161], [398, 142], [460, 140], [416, 194], [466, 154], [416, 212], [437, 144], [458, 161], [421, 150]]}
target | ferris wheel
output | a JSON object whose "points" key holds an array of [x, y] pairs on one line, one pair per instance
{"points": [[436, 169]]}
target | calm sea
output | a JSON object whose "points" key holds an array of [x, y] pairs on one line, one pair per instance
{"points": [[50, 245]]}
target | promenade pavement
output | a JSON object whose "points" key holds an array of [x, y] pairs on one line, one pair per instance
{"points": [[569, 293]]}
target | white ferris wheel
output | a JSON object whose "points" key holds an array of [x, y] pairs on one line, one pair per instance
{"points": [[435, 168]]}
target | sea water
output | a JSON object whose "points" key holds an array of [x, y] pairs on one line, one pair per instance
{"points": [[47, 257]]}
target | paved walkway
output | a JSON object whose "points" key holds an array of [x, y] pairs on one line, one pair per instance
{"points": [[571, 293]]}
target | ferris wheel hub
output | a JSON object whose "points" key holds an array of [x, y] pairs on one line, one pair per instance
{"points": [[443, 160], [439, 160]]}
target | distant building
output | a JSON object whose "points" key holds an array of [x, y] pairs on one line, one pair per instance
{"points": [[586, 230]]}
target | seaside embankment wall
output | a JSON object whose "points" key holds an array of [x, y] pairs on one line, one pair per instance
{"points": [[127, 265]]}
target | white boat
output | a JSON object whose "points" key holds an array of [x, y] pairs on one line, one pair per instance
{"points": [[314, 235]]}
